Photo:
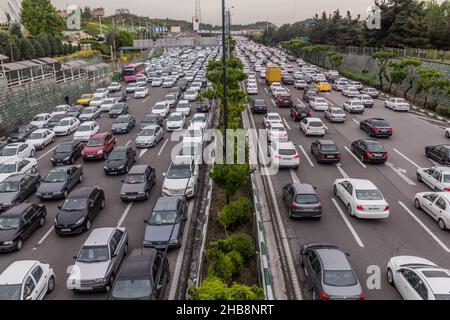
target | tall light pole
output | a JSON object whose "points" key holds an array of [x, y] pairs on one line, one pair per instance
{"points": [[224, 63]]}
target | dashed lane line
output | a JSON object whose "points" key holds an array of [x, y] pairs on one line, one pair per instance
{"points": [[124, 214], [286, 124], [406, 158], [294, 176], [162, 148], [400, 172], [306, 155], [349, 225], [355, 121], [355, 157], [42, 156], [44, 237], [341, 170]]}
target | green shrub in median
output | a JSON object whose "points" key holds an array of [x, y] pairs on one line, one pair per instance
{"points": [[241, 243], [231, 177], [225, 265], [235, 213], [215, 289]]}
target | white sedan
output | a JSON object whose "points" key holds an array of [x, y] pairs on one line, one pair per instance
{"points": [[277, 132], [437, 178], [271, 118], [312, 126], [354, 106], [361, 198], [193, 135], [17, 166], [86, 131], [252, 89], [184, 107], [318, 104], [66, 126], [417, 278], [437, 205], [60, 110], [26, 280], [41, 138], [98, 99], [199, 120], [350, 91], [108, 103], [397, 104], [17, 150], [190, 95], [41, 120], [141, 92], [156, 82], [90, 114], [161, 109], [114, 86], [175, 121]]}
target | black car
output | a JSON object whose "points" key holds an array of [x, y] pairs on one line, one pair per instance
{"points": [[259, 106], [67, 152], [310, 94], [289, 80], [74, 111], [16, 188], [369, 150], [121, 96], [376, 127], [166, 223], [299, 112], [118, 109], [144, 275], [79, 209], [302, 201], [59, 182], [138, 183], [284, 101], [120, 160], [53, 122], [18, 223], [182, 84], [2, 145], [20, 134], [152, 119], [325, 151], [440, 153], [123, 124], [204, 105]]}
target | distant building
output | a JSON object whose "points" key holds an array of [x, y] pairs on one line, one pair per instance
{"points": [[63, 13], [98, 12], [175, 29], [122, 11]]}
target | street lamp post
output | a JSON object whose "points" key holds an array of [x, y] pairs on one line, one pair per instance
{"points": [[224, 62]]}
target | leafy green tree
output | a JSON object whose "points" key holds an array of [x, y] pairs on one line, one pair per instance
{"points": [[4, 44], [40, 53], [122, 38], [43, 39], [410, 66], [215, 289], [53, 45], [16, 29], [86, 13], [335, 59], [27, 49], [429, 81], [231, 177], [13, 49], [41, 16], [382, 59]]}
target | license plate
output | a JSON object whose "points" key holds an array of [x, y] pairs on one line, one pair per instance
{"points": [[66, 230], [303, 114], [330, 156], [131, 197], [86, 288], [90, 156]]}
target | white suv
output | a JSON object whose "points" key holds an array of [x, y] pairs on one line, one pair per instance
{"points": [[181, 178]]}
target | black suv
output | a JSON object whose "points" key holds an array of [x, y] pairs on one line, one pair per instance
{"points": [[310, 94], [440, 153], [204, 105], [67, 152], [138, 183], [376, 127], [300, 112]]}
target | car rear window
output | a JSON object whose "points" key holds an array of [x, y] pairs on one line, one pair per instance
{"points": [[287, 152], [381, 123], [339, 278], [329, 147], [306, 199], [375, 147], [368, 195]]}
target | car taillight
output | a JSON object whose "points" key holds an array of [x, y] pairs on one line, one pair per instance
{"points": [[280, 100], [323, 296], [319, 206], [296, 156], [291, 101], [277, 156], [308, 127], [376, 130], [446, 189], [385, 154], [321, 156], [309, 114], [338, 155], [369, 154], [362, 296], [386, 208], [360, 208]]}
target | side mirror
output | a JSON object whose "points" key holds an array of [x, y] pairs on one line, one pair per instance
{"points": [[122, 180], [158, 287], [164, 174], [75, 257], [59, 206], [145, 221]]}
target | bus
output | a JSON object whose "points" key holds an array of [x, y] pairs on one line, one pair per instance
{"points": [[131, 71]]}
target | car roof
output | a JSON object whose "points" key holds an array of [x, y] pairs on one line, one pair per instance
{"points": [[17, 209], [15, 273], [284, 145], [87, 123], [40, 130], [100, 135], [99, 236], [139, 168], [16, 177], [362, 183], [313, 119], [121, 148], [327, 142], [303, 188], [83, 192], [138, 263], [333, 259], [60, 169], [166, 203], [14, 145]]}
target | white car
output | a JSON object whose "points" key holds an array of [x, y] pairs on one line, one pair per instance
{"points": [[86, 130], [41, 138], [193, 135], [418, 279], [149, 136], [284, 154], [175, 121], [98, 99], [354, 106], [397, 104], [108, 103], [170, 99], [184, 107], [312, 127], [271, 118], [141, 83], [66, 126], [199, 120], [361, 198], [335, 114], [366, 100], [437, 205], [318, 104], [274, 86], [161, 109], [181, 178], [114, 86], [252, 89], [131, 87], [17, 150], [279, 92], [90, 114], [101, 92], [157, 82], [190, 95], [319, 77], [350, 91], [16, 166], [141, 92], [60, 110], [276, 132], [26, 280], [356, 84], [41, 120], [437, 178]]}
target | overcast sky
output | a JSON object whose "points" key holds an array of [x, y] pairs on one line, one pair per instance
{"points": [[245, 11]]}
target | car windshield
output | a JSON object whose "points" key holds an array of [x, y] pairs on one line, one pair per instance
{"points": [[108, 101], [259, 103], [117, 155], [273, 117], [121, 120], [132, 288], [375, 147], [147, 132], [198, 119], [64, 123], [140, 89], [339, 278], [84, 128], [56, 176], [64, 148], [183, 105], [446, 178], [97, 99], [135, 178], [368, 195], [129, 71], [9, 222], [95, 142], [74, 109], [179, 171], [7, 152], [320, 100], [21, 129], [117, 107], [277, 129], [9, 186], [338, 111], [36, 135], [189, 151], [287, 152], [93, 254], [74, 204], [329, 147], [163, 217], [175, 117], [159, 106], [381, 123], [150, 119], [8, 168], [85, 96], [61, 108], [39, 118], [87, 111], [306, 199], [10, 291]]}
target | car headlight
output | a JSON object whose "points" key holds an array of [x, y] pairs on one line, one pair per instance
{"points": [[80, 221], [100, 280], [7, 243], [66, 159], [38, 194], [121, 167], [105, 167], [174, 241], [99, 152]]}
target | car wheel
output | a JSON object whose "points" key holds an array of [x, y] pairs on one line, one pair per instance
{"points": [[41, 222], [146, 195], [19, 245], [32, 154], [290, 213], [442, 225], [417, 204], [68, 132], [53, 139], [87, 225], [350, 210], [127, 168], [362, 158], [103, 203], [81, 178], [390, 276], [419, 178], [335, 191], [33, 169], [72, 160], [447, 134], [51, 284], [110, 283]]}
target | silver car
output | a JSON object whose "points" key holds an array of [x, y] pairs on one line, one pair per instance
{"points": [[149, 136], [335, 114], [99, 259]]}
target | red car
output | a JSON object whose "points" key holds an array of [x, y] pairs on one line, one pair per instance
{"points": [[99, 146]]}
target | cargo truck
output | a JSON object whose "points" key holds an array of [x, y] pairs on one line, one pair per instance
{"points": [[273, 74]]}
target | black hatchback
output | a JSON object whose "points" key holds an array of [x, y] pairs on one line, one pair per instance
{"points": [[67, 152], [204, 105], [302, 201], [299, 112], [120, 160], [18, 223], [259, 106], [369, 150], [440, 153], [376, 127], [325, 151]]}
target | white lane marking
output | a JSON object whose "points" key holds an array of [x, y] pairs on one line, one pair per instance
{"points": [[44, 237], [400, 172], [327, 93], [143, 151], [349, 225], [286, 124], [295, 178], [265, 89], [407, 159], [179, 263], [300, 101], [331, 103], [439, 242], [129, 141], [355, 121], [124, 214], [326, 128], [145, 99], [46, 153], [355, 157], [287, 89], [273, 102], [344, 174], [306, 155], [162, 148], [259, 80]]}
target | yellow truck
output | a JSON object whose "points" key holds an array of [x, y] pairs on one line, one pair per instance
{"points": [[273, 74]]}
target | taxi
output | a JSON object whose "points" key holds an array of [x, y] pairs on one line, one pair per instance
{"points": [[85, 99], [323, 87]]}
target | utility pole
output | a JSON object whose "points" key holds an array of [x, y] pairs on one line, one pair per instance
{"points": [[100, 22], [224, 62], [114, 45]]}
